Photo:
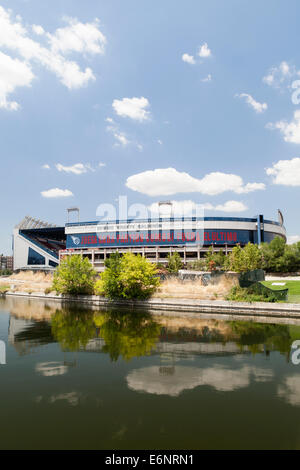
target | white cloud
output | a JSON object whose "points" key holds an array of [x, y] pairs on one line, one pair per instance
{"points": [[13, 74], [121, 139], [57, 193], [188, 207], [293, 239], [289, 130], [285, 172], [204, 51], [37, 29], [189, 59], [14, 36], [159, 142], [134, 108], [278, 76], [78, 37], [168, 181], [258, 107], [46, 166], [207, 79], [76, 169], [101, 164]]}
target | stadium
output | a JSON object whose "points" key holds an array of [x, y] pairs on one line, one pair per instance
{"points": [[38, 245]]}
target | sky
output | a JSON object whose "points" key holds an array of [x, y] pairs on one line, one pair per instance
{"points": [[183, 101]]}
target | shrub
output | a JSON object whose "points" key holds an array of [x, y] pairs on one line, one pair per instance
{"points": [[128, 277], [245, 259], [240, 294], [214, 259], [74, 275], [48, 290], [174, 263]]}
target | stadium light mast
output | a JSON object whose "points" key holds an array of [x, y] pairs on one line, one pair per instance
{"points": [[165, 203], [73, 209]]}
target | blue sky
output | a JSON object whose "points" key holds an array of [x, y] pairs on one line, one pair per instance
{"points": [[175, 100]]}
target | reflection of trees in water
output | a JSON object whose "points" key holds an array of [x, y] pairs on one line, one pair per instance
{"points": [[73, 329], [270, 337], [127, 334]]}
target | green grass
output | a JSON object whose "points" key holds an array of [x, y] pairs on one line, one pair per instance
{"points": [[3, 289], [292, 286]]}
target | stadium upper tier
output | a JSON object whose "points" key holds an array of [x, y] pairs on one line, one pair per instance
{"points": [[39, 245]]}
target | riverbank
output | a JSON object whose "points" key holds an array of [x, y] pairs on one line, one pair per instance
{"points": [[184, 307]]}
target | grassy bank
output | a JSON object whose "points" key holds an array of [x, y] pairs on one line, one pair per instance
{"points": [[292, 286]]}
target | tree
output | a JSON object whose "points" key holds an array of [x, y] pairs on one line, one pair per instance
{"points": [[74, 275], [245, 259], [128, 277], [280, 257], [174, 262], [214, 259]]}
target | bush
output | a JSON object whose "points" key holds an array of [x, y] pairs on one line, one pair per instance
{"points": [[174, 263], [214, 259], [245, 259], [75, 275], [249, 294], [280, 257], [128, 277], [199, 265], [48, 290]]}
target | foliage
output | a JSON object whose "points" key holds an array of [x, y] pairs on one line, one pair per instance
{"points": [[174, 262], [214, 259], [128, 277], [48, 290], [127, 335], [280, 257], [74, 275], [198, 265], [5, 272], [4, 289], [244, 259], [249, 294]]}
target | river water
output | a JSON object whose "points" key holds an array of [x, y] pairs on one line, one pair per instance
{"points": [[87, 379]]}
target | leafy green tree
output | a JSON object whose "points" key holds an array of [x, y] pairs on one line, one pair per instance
{"points": [[280, 257], [245, 259], [214, 259], [174, 262], [75, 275], [128, 277]]}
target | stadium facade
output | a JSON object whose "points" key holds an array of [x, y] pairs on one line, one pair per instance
{"points": [[37, 245]]}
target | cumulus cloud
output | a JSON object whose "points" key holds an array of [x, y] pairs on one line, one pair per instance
{"points": [[46, 166], [57, 193], [76, 169], [258, 107], [14, 73], [189, 59], [78, 37], [204, 51], [14, 36], [38, 29], [134, 108], [278, 76], [188, 207], [285, 172], [293, 239], [289, 130], [168, 181]]}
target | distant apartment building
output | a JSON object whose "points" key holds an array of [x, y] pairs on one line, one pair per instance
{"points": [[6, 262]]}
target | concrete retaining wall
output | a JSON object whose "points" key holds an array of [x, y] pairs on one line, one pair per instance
{"points": [[257, 309]]}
